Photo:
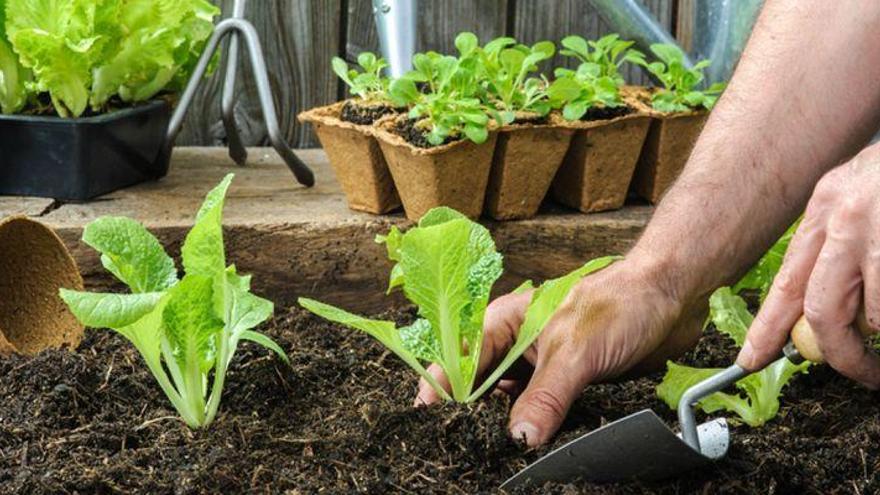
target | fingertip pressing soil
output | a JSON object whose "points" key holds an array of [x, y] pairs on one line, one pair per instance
{"points": [[607, 113], [340, 420], [417, 136], [365, 114]]}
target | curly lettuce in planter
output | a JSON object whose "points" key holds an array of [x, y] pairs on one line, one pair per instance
{"points": [[447, 266], [13, 76], [730, 315], [680, 91], [187, 330], [85, 52]]}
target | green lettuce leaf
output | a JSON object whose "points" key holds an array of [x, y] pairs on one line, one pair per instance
{"points": [[190, 323], [762, 390], [760, 277], [131, 253], [109, 310], [202, 250], [83, 52]]}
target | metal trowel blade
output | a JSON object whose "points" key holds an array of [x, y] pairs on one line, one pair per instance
{"points": [[637, 447]]}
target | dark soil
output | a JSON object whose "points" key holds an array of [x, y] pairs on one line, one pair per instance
{"points": [[339, 420], [365, 114], [607, 113], [531, 119], [417, 136]]}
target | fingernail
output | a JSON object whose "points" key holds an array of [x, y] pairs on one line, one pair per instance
{"points": [[746, 355], [526, 432]]}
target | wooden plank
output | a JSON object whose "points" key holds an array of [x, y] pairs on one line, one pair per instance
{"points": [[298, 241], [439, 22], [554, 19], [298, 39]]}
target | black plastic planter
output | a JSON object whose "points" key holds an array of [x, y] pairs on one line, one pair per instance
{"points": [[78, 159]]}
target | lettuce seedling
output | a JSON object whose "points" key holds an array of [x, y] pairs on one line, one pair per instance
{"points": [[578, 91], [730, 315], [444, 93], [186, 330], [505, 67], [605, 56], [369, 84], [447, 266], [680, 91]]}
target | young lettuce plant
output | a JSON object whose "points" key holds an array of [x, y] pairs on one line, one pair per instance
{"points": [[187, 330], [680, 91], [606, 55], [730, 315], [443, 93], [505, 67], [447, 266], [576, 92], [368, 84]]}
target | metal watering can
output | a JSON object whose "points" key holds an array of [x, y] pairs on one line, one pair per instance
{"points": [[720, 30]]}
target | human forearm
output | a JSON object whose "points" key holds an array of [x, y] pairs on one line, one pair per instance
{"points": [[805, 96]]}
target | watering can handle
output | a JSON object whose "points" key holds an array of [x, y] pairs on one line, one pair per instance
{"points": [[801, 346]]}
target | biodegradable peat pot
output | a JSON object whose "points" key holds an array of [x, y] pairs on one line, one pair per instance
{"points": [[598, 167], [453, 174], [526, 159], [34, 264], [670, 140], [78, 159], [356, 159]]}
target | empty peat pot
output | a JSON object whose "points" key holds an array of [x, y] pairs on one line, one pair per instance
{"points": [[34, 264]]}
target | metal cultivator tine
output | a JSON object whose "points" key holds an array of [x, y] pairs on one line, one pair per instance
{"points": [[235, 27]]}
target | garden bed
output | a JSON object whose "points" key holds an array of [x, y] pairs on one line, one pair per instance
{"points": [[340, 421]]}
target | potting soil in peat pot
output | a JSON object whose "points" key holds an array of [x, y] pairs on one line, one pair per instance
{"points": [[340, 420]]}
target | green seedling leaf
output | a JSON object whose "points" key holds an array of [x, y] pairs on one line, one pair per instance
{"points": [[680, 91], [109, 310], [368, 83], [202, 250], [131, 253]]}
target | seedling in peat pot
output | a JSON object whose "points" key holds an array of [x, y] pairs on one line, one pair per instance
{"points": [[597, 80], [730, 315], [368, 84], [505, 67], [679, 92], [447, 266], [186, 330], [444, 94]]}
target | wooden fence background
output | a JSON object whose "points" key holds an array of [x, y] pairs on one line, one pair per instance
{"points": [[299, 37]]}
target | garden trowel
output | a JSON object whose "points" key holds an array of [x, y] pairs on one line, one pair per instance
{"points": [[641, 446]]}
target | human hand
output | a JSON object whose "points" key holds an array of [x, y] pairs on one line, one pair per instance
{"points": [[612, 321], [831, 267]]}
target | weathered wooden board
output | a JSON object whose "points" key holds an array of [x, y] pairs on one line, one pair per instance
{"points": [[299, 241], [299, 37]]}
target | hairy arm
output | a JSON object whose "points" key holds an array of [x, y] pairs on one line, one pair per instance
{"points": [[805, 96]]}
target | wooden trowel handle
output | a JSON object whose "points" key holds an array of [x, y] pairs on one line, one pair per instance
{"points": [[804, 339]]}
